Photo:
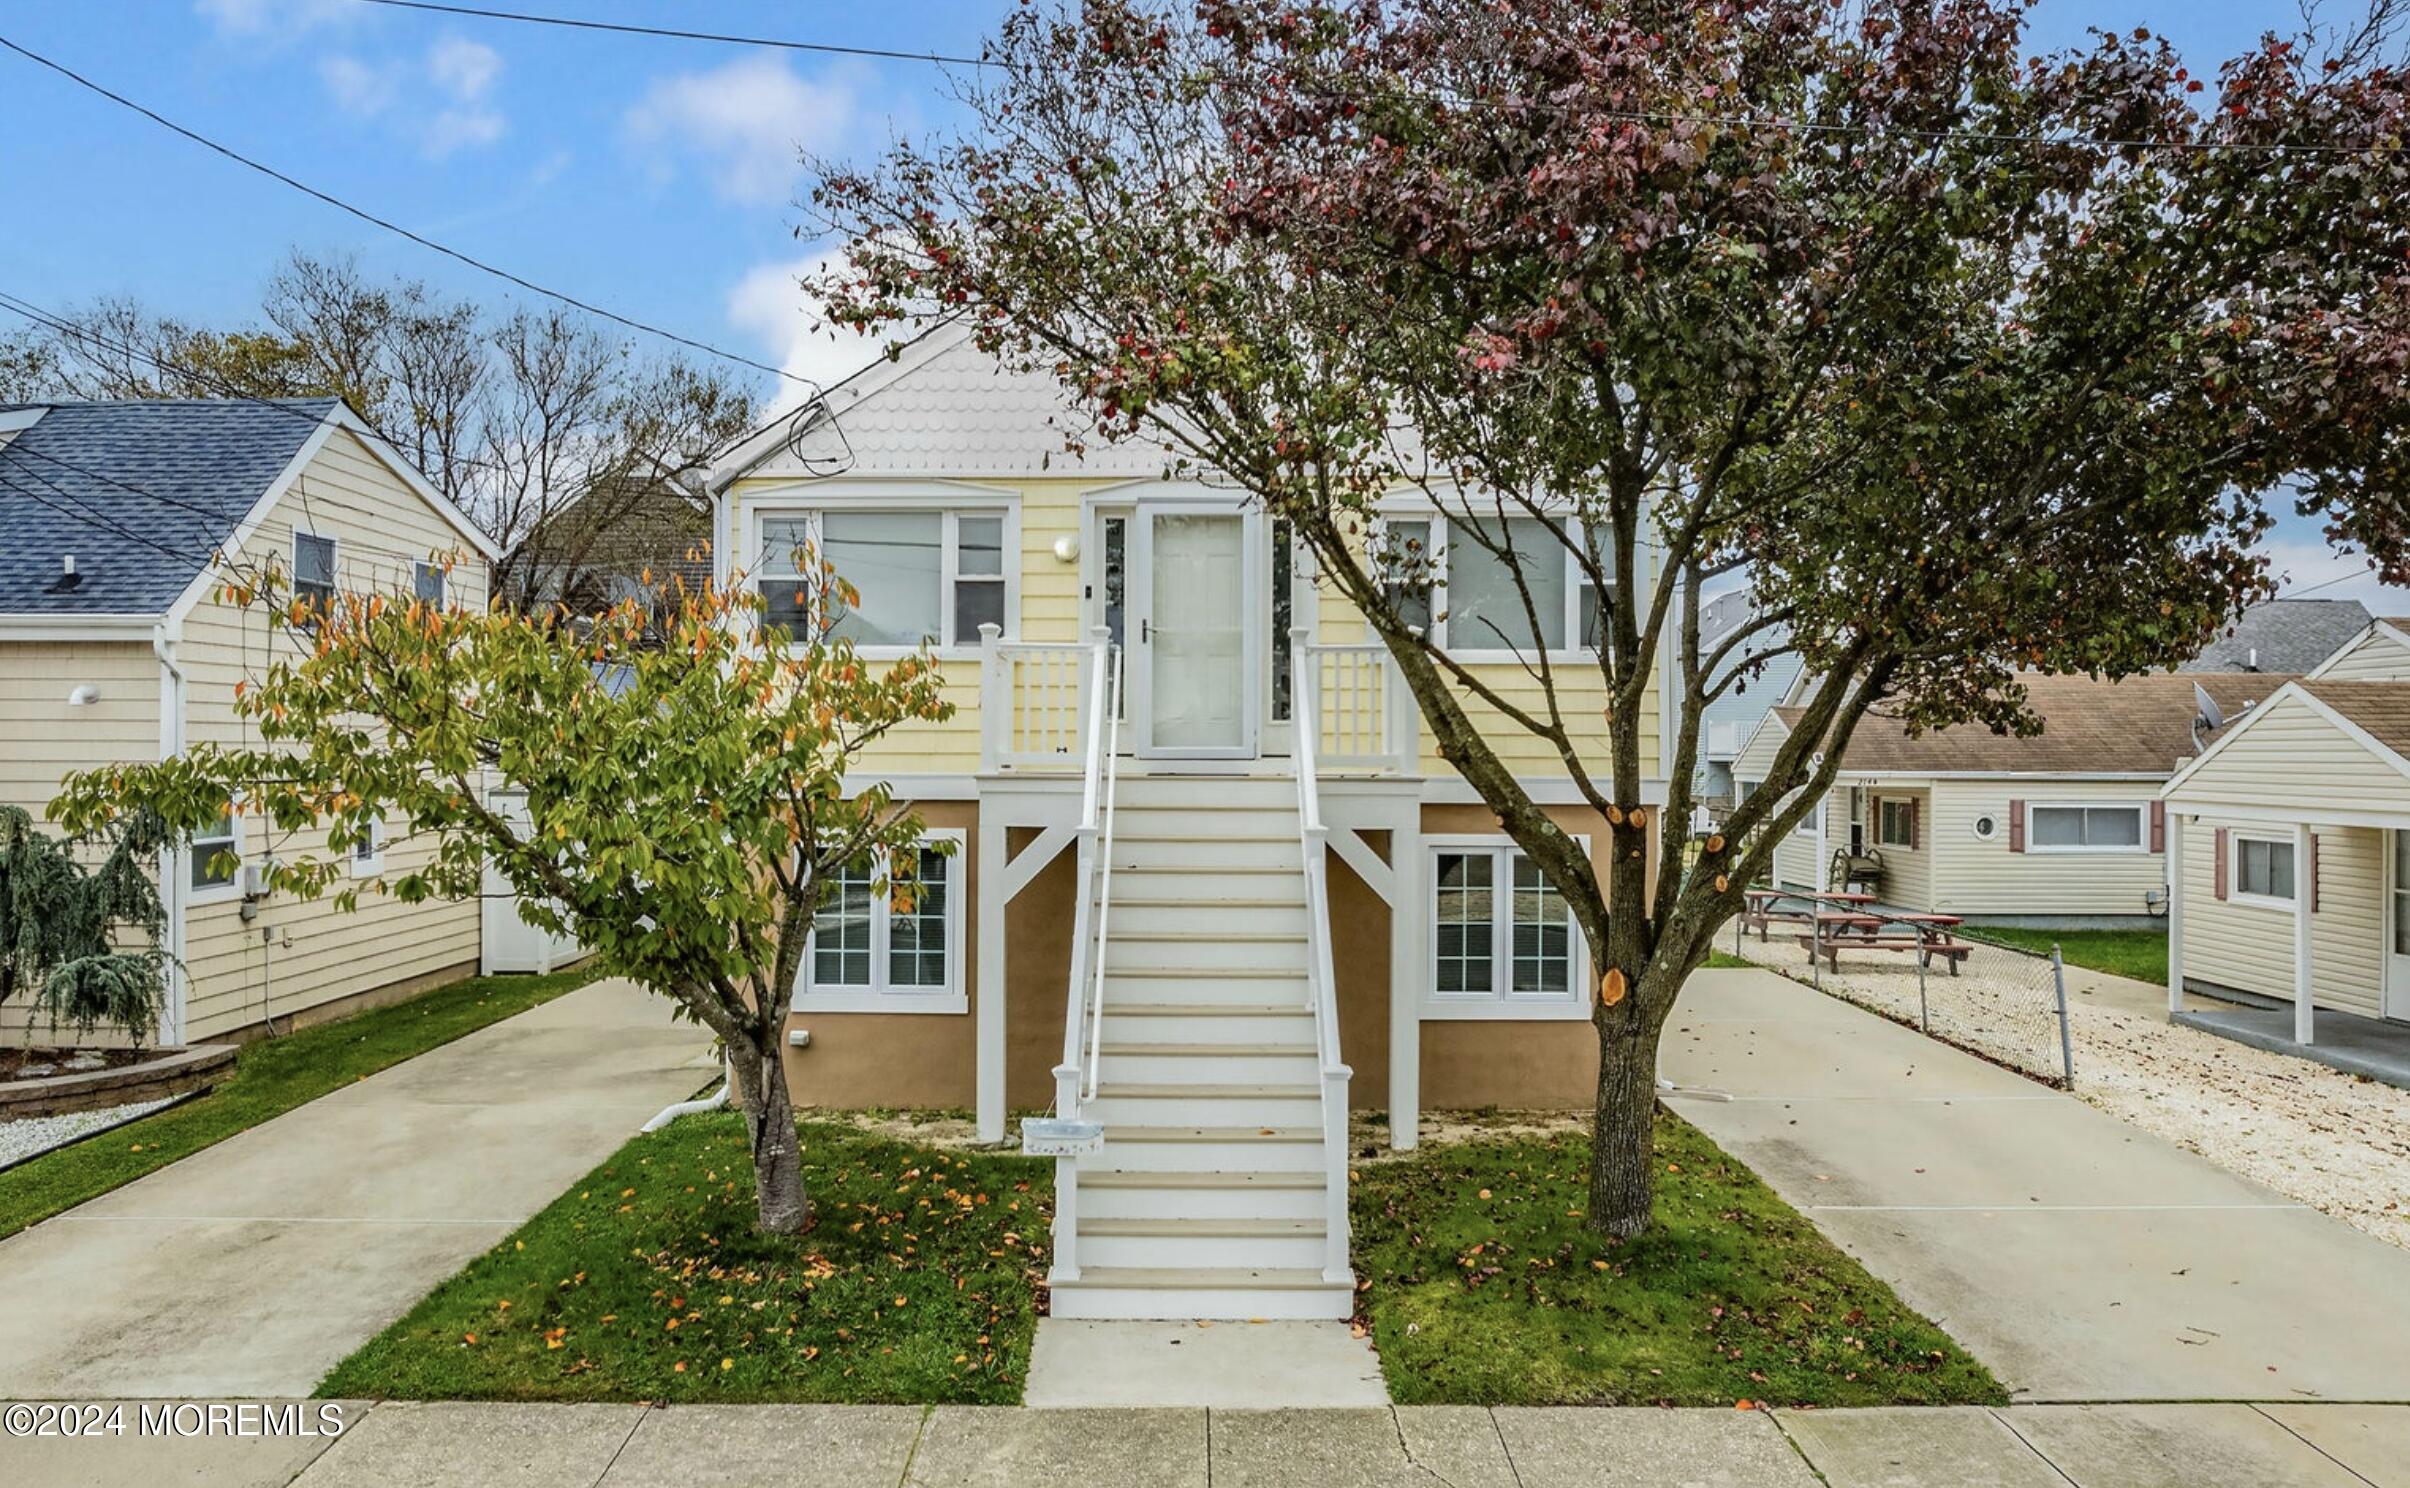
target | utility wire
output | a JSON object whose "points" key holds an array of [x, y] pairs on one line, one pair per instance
{"points": [[1506, 104], [387, 224]]}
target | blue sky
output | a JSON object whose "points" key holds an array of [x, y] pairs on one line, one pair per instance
{"points": [[651, 176]]}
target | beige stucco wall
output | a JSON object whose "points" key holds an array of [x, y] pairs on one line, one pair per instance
{"points": [[1977, 877], [298, 954]]}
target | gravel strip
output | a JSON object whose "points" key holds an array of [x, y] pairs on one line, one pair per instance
{"points": [[25, 1138], [2333, 1141]]}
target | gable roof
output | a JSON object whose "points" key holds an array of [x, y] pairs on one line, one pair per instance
{"points": [[141, 492], [2379, 709], [939, 407], [145, 492], [2283, 636], [2138, 726]]}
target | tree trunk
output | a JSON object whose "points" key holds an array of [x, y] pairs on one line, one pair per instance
{"points": [[780, 1205], [1623, 1166]]}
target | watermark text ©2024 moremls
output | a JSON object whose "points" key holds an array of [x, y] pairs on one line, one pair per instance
{"points": [[174, 1418]]}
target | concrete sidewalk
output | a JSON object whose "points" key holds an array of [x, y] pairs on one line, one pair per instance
{"points": [[2077, 1256], [773, 1446], [251, 1268]]}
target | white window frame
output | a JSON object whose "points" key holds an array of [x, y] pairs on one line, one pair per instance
{"points": [[2235, 892], [880, 996], [950, 508], [1436, 557], [334, 561], [1906, 841], [1502, 1002], [373, 863], [194, 855], [2142, 826], [420, 570]]}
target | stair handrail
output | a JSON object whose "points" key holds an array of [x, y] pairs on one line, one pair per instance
{"points": [[1104, 877], [1314, 842], [1103, 737]]}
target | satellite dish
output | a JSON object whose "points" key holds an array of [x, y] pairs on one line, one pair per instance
{"points": [[2207, 707]]}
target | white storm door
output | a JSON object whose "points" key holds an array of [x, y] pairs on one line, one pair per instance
{"points": [[2397, 925], [1197, 647]]}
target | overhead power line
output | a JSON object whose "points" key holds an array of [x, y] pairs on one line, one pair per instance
{"points": [[1500, 104], [388, 225]]}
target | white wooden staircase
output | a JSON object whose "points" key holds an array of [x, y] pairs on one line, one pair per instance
{"points": [[1201, 1064]]}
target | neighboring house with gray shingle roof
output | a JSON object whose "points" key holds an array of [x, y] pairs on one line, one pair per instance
{"points": [[2289, 637], [115, 645]]}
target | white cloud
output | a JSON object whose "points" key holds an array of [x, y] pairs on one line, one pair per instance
{"points": [[2312, 570], [747, 121], [444, 100], [771, 305]]}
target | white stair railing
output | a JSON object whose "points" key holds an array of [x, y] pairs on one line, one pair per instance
{"points": [[1369, 721], [1033, 702], [1083, 1016], [1323, 985]]}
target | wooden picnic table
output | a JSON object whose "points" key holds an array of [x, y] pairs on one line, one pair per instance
{"points": [[1761, 912], [1927, 935]]}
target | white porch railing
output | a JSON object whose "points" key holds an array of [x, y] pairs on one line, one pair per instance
{"points": [[1323, 980], [1364, 718], [1083, 1014], [1032, 701]]}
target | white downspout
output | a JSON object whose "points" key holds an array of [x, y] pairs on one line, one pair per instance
{"points": [[712, 1102], [171, 877]]}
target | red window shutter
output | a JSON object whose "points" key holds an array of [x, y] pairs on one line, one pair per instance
{"points": [[2016, 826], [2313, 873], [1912, 823], [2217, 849], [2158, 826]]}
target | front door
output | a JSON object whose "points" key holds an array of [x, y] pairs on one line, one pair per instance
{"points": [[1197, 649], [2397, 925]]}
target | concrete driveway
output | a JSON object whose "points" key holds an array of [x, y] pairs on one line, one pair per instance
{"points": [[2079, 1257], [251, 1268]]}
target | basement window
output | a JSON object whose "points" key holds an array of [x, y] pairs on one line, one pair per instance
{"points": [[1503, 942], [883, 946]]}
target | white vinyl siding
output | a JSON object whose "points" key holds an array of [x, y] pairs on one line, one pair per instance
{"points": [[2375, 657], [1907, 870], [2247, 944], [1975, 875]]}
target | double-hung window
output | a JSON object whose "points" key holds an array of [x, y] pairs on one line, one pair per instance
{"points": [[214, 857], [1503, 942], [427, 583], [917, 577], [314, 569], [2263, 868], [1508, 585], [1895, 823], [889, 943], [2071, 828]]}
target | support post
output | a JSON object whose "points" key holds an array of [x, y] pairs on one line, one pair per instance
{"points": [[2175, 911], [2304, 1009], [988, 996], [995, 698], [1066, 1184], [2058, 989], [1406, 971]]}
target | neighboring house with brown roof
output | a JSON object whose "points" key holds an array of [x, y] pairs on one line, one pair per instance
{"points": [[2293, 830], [2062, 827]]}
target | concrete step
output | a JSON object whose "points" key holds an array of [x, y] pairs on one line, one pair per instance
{"points": [[1200, 1242], [1221, 1293]]}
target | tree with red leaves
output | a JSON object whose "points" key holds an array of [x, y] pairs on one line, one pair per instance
{"points": [[1970, 362]]}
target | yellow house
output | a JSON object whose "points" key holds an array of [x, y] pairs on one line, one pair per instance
{"points": [[2292, 909], [114, 645], [1212, 888]]}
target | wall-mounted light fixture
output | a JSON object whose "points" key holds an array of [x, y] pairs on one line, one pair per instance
{"points": [[1066, 549]]}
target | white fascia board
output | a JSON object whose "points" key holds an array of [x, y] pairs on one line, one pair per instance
{"points": [[57, 628]]}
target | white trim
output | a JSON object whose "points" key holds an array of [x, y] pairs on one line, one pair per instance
{"points": [[1255, 608], [64, 625], [880, 996], [189, 859], [2235, 893], [18, 420], [1907, 779], [2353, 731], [811, 505], [2142, 826], [1501, 1003], [1907, 805], [2285, 816]]}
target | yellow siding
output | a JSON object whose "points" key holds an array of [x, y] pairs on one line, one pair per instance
{"points": [[1973, 876], [1908, 873], [1051, 606], [2293, 758], [2372, 658], [2249, 947], [298, 954], [42, 739], [1765, 741]]}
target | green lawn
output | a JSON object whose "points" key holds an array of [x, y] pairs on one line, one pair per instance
{"points": [[1485, 1290], [1724, 961], [646, 1281], [2140, 954], [270, 1077]]}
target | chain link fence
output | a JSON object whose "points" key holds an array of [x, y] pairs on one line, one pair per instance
{"points": [[1927, 971]]}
